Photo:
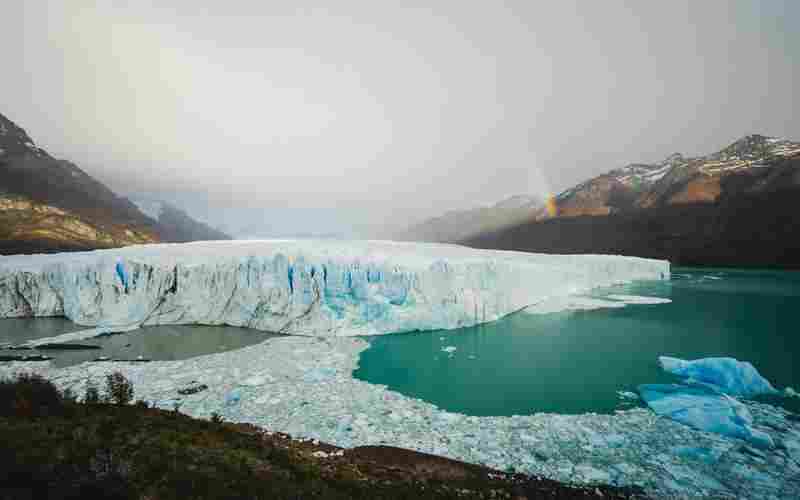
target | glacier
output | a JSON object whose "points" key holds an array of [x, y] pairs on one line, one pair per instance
{"points": [[301, 287]]}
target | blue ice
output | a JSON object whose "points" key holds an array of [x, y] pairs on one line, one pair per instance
{"points": [[702, 408], [123, 276], [728, 375]]}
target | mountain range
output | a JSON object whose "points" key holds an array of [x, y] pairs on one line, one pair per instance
{"points": [[48, 204], [736, 207], [459, 225]]}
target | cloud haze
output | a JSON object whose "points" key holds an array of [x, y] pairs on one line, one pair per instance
{"points": [[375, 113]]}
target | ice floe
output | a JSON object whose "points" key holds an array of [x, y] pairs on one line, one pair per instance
{"points": [[728, 375], [639, 299], [584, 303], [704, 409], [704, 398], [571, 303]]}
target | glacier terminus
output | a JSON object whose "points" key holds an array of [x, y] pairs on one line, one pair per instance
{"points": [[301, 287]]}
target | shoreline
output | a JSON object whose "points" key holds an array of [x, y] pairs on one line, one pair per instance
{"points": [[304, 386]]}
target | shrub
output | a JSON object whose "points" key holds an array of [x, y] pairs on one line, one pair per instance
{"points": [[119, 389], [92, 395], [30, 396], [69, 396]]}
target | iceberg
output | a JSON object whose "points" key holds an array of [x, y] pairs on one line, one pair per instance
{"points": [[703, 409], [639, 300], [318, 288], [728, 375], [704, 400]]}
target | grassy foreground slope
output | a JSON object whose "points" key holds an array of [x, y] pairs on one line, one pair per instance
{"points": [[54, 447]]}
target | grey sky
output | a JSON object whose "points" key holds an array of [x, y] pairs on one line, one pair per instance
{"points": [[376, 111]]}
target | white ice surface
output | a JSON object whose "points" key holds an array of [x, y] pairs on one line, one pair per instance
{"points": [[304, 386], [327, 288], [582, 303], [639, 299], [572, 303]]}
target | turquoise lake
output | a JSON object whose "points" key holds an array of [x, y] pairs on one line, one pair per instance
{"points": [[580, 361], [565, 362]]}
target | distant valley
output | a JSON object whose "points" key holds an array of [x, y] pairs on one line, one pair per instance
{"points": [[48, 204]]}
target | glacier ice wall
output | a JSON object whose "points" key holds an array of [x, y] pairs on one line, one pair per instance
{"points": [[301, 287]]}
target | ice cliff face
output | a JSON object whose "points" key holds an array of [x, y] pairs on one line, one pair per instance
{"points": [[301, 287]]}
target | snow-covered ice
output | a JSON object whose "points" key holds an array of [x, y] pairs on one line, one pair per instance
{"points": [[639, 299], [572, 303], [309, 391], [583, 303], [76, 336], [728, 375], [330, 288]]}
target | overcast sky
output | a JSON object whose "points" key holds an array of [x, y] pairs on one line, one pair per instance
{"points": [[372, 111]]}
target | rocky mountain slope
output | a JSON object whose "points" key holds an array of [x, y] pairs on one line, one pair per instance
{"points": [[738, 206], [47, 204], [462, 224], [679, 180]]}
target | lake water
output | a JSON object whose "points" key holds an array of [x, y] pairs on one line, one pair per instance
{"points": [[564, 362], [157, 342], [579, 361]]}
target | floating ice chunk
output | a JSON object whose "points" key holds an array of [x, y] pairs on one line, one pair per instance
{"points": [[731, 376], [233, 396], [639, 299], [628, 395], [450, 349], [704, 409], [571, 303], [80, 335]]}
